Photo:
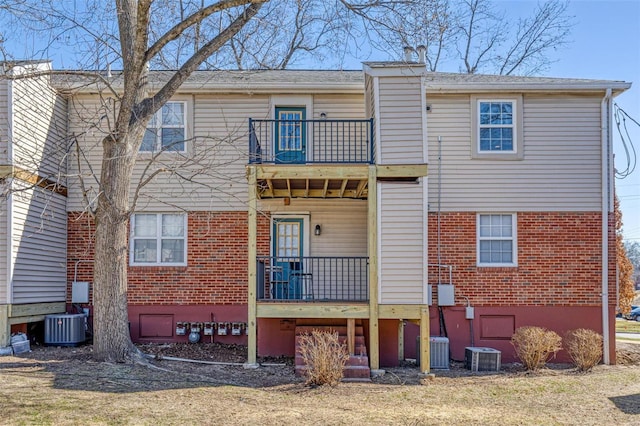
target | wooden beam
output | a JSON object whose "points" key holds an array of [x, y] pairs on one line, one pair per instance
{"points": [[372, 227], [31, 178], [324, 191], [401, 171], [343, 187], [425, 352], [252, 284], [312, 310], [361, 186], [306, 187], [407, 312], [289, 187], [311, 171], [351, 336], [31, 309]]}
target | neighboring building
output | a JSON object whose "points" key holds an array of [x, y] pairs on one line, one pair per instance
{"points": [[286, 200]]}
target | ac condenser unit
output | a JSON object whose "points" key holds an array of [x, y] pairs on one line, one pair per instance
{"points": [[64, 329], [482, 359], [438, 352]]}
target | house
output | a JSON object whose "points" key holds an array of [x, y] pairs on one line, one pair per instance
{"points": [[387, 203]]}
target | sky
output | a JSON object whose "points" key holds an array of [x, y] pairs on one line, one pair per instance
{"points": [[605, 44]]}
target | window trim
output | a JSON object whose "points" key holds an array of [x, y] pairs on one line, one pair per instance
{"points": [[514, 240], [158, 237], [159, 127], [518, 133]]}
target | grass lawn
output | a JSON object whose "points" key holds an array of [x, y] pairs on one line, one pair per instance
{"points": [[625, 326], [43, 389]]}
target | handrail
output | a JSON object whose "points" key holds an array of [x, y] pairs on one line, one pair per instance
{"points": [[325, 141]]}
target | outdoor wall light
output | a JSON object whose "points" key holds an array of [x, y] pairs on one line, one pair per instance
{"points": [[323, 115], [318, 230]]}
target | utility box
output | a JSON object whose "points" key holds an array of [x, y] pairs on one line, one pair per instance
{"points": [[439, 352], [446, 295], [79, 292], [482, 359]]}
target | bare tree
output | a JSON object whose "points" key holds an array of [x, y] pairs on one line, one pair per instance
{"points": [[475, 36]]}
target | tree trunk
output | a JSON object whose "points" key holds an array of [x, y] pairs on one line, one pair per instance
{"points": [[112, 341]]}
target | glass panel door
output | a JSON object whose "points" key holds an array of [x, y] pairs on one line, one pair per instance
{"points": [[290, 135], [287, 250]]}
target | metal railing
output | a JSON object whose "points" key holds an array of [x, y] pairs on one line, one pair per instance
{"points": [[313, 279], [311, 141]]}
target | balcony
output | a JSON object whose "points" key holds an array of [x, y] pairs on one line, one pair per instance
{"points": [[313, 279], [311, 141]]}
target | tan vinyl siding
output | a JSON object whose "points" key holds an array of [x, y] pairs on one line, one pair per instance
{"points": [[560, 170], [401, 239], [216, 180], [39, 128], [4, 253], [4, 121], [39, 247], [400, 115], [344, 234]]}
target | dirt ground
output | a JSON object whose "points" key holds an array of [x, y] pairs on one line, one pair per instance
{"points": [[53, 385]]}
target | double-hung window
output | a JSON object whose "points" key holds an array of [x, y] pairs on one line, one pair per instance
{"points": [[497, 128], [158, 239], [497, 240], [166, 129]]}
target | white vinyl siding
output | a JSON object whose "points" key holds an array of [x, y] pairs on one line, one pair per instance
{"points": [[560, 170], [401, 132], [39, 246], [39, 128], [4, 121], [401, 240], [4, 252]]}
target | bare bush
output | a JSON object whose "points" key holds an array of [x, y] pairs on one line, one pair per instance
{"points": [[584, 347], [324, 356], [535, 345]]}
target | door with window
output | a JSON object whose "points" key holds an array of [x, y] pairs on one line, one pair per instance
{"points": [[290, 135], [288, 262]]}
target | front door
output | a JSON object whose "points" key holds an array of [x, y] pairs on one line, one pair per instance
{"points": [[288, 252], [290, 135]]}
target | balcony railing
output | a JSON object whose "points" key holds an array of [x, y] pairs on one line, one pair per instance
{"points": [[311, 141], [313, 279]]}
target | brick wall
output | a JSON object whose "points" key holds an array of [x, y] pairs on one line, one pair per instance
{"points": [[559, 260], [216, 271]]}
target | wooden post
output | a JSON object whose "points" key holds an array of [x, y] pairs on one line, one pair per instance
{"points": [[5, 327], [401, 340], [425, 352], [374, 334], [351, 335], [252, 349]]}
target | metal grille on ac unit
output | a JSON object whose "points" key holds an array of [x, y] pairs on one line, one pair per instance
{"points": [[64, 329]]}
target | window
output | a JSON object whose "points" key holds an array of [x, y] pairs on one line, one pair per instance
{"points": [[166, 129], [497, 240], [158, 239], [497, 128]]}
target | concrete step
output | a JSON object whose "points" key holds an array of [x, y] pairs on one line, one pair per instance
{"points": [[354, 360]]}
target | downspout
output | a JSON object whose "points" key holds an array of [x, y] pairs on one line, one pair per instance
{"points": [[606, 193]]}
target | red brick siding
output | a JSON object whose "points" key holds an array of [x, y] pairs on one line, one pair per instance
{"points": [[559, 260], [216, 271]]}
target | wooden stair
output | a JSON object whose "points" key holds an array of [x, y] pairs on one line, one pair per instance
{"points": [[356, 368]]}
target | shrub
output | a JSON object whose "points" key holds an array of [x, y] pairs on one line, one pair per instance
{"points": [[585, 348], [535, 345], [324, 357]]}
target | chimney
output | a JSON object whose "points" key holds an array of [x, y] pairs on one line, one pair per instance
{"points": [[408, 53], [422, 51]]}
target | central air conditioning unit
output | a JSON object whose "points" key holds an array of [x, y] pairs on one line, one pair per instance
{"points": [[482, 359], [64, 329], [438, 350]]}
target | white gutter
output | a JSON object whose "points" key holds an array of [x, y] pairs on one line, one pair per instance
{"points": [[606, 193]]}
